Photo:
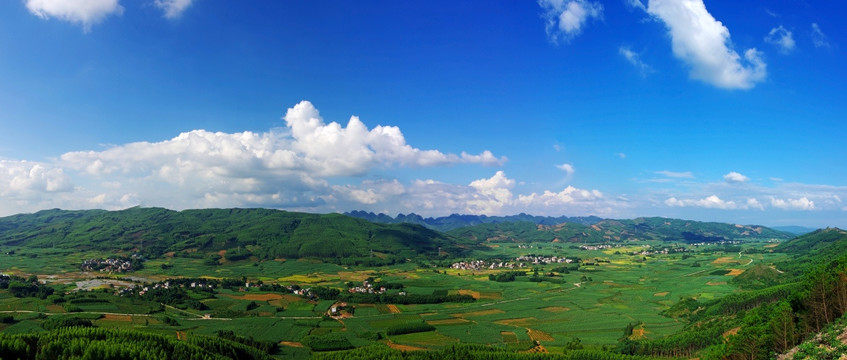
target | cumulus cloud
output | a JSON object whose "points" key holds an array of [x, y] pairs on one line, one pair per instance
{"points": [[734, 177], [565, 19], [782, 38], [635, 59], [676, 175], [291, 167], [710, 202], [802, 203], [818, 37], [24, 178], [567, 168], [753, 203], [83, 12], [172, 8], [308, 150], [704, 44]]}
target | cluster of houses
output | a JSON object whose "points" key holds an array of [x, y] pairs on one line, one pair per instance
{"points": [[164, 285], [519, 262], [661, 251], [600, 247], [366, 288], [110, 265]]}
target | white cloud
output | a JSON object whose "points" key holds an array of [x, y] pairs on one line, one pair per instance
{"points": [[782, 38], [677, 175], [84, 12], [710, 202], [704, 44], [173, 8], [802, 203], [565, 19], [636, 4], [753, 203], [567, 168], [635, 59], [25, 179], [734, 177], [621, 155], [818, 37]]}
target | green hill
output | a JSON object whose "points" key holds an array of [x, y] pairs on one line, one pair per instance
{"points": [[263, 233]]}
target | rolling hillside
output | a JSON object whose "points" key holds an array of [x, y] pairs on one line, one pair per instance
{"points": [[263, 233], [617, 230], [456, 221]]}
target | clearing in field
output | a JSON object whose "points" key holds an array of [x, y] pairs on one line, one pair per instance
{"points": [[481, 294], [556, 309], [291, 344], [662, 294], [393, 309], [392, 345], [716, 283], [478, 313], [538, 335], [522, 322], [255, 297], [116, 317], [639, 332]]}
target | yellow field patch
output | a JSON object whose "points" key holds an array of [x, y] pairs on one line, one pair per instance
{"points": [[770, 246], [716, 283], [522, 322], [556, 309], [300, 279], [478, 313], [456, 321], [662, 294], [734, 272], [539, 335], [393, 308], [726, 260]]}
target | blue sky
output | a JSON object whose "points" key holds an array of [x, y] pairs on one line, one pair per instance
{"points": [[716, 111]]}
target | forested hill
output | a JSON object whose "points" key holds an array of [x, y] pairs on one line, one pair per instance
{"points": [[263, 233], [455, 221], [618, 230]]}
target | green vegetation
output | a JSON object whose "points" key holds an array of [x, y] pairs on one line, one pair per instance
{"points": [[244, 281]]}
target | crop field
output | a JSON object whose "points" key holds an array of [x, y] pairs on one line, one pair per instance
{"points": [[594, 303]]}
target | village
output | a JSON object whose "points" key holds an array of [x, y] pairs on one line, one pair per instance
{"points": [[111, 265], [518, 263]]}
